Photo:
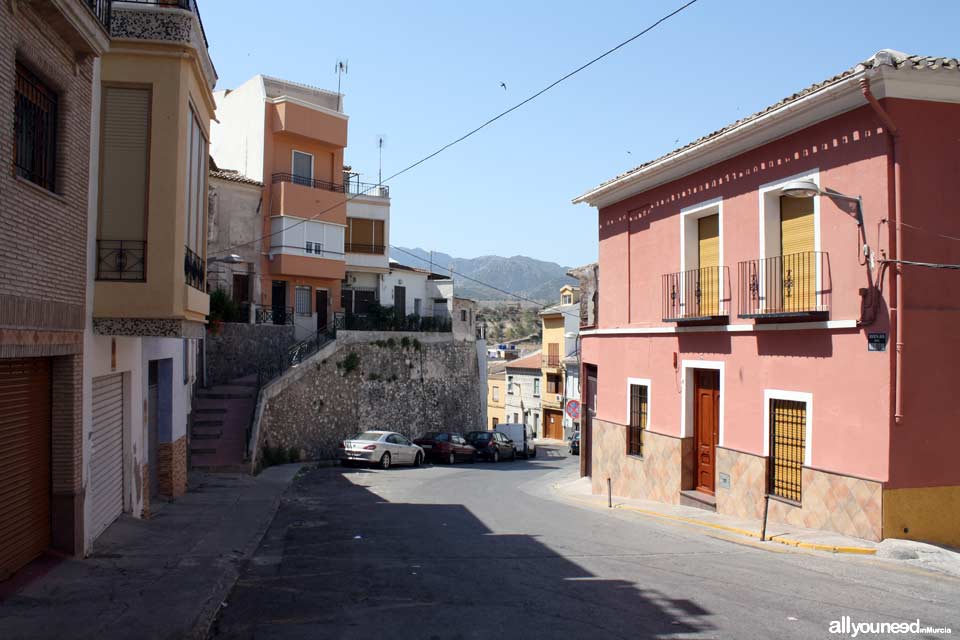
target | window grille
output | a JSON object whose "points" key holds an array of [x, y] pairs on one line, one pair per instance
{"points": [[638, 419], [788, 421], [35, 136], [303, 301]]}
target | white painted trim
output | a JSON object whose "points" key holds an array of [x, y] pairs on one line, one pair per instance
{"points": [[308, 105], [332, 224], [798, 396], [686, 398], [724, 328], [646, 383], [293, 155], [691, 214]]}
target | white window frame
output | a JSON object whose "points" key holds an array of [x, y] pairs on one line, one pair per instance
{"points": [[769, 221], [293, 165], [796, 396], [536, 387], [495, 393], [686, 398], [644, 382], [297, 289], [689, 237]]}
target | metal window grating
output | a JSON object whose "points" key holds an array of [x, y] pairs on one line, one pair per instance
{"points": [[35, 139], [788, 420], [638, 419], [302, 300]]}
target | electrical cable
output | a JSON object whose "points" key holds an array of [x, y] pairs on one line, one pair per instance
{"points": [[476, 129]]}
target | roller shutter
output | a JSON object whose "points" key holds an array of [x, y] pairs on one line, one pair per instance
{"points": [[797, 246], [708, 241], [24, 461], [106, 456]]}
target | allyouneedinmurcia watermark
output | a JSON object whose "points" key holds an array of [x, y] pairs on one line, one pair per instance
{"points": [[846, 626]]}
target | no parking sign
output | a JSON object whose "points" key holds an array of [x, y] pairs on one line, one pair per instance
{"points": [[573, 409]]}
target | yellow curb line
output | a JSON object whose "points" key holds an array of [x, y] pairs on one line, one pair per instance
{"points": [[866, 551]]}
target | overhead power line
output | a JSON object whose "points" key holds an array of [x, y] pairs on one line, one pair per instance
{"points": [[477, 129]]}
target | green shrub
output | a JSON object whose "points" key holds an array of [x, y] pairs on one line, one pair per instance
{"points": [[223, 307], [350, 363], [405, 342], [294, 454]]}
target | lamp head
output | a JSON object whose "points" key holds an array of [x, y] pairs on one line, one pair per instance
{"points": [[800, 189]]}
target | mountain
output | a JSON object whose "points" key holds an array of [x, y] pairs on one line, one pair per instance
{"points": [[535, 279]]}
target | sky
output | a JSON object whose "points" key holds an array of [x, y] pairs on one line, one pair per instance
{"points": [[421, 74]]}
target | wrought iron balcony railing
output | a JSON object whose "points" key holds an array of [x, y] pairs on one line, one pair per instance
{"points": [[371, 249], [194, 269], [794, 285], [368, 189], [101, 9], [308, 182], [696, 295], [551, 361], [123, 260]]}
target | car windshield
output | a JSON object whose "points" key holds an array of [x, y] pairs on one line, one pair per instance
{"points": [[368, 435], [439, 437], [478, 436]]}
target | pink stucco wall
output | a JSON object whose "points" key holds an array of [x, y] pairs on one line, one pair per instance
{"points": [[850, 386]]}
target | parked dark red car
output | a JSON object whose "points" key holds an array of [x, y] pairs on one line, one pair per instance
{"points": [[446, 446]]}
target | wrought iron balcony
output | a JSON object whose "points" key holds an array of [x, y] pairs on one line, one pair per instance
{"points": [[123, 260], [371, 249], [186, 5], [308, 182], [551, 361], [101, 9], [696, 295], [368, 189], [194, 269], [791, 286]]}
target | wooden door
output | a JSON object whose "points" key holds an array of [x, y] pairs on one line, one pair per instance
{"points": [[799, 269], [25, 423], [554, 425], [707, 289], [706, 430], [241, 288], [322, 318], [589, 413], [400, 301], [278, 293]]}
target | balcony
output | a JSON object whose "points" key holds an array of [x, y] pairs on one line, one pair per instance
{"points": [[305, 198], [367, 249], [307, 248], [551, 400], [367, 189], [194, 269], [551, 361], [308, 182], [795, 286], [696, 295]]}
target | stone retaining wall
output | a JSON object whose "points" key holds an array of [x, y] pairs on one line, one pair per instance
{"points": [[240, 348]]}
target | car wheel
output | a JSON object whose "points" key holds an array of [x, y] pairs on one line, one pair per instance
{"points": [[496, 455], [418, 460], [452, 459], [385, 461]]}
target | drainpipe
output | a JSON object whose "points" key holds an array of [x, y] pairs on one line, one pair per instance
{"points": [[895, 244]]}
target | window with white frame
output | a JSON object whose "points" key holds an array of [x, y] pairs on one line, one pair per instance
{"points": [[303, 301], [510, 386], [302, 168], [638, 400], [496, 393], [787, 433], [536, 386], [566, 299]]}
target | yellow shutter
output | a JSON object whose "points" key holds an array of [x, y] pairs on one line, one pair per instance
{"points": [[123, 185], [708, 236], [799, 269]]}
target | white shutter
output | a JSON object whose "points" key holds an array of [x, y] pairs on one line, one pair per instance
{"points": [[106, 457]]}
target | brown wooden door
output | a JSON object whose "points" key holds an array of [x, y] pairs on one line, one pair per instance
{"points": [[400, 301], [24, 461], [706, 433], [554, 425], [322, 298], [589, 412], [241, 288]]}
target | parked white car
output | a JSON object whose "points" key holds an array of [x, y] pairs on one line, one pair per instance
{"points": [[522, 436], [382, 448]]}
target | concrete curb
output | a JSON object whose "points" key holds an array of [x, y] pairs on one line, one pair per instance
{"points": [[743, 532], [212, 606]]}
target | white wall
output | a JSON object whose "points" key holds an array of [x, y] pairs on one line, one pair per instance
{"points": [[371, 209], [416, 286], [523, 401], [236, 141]]}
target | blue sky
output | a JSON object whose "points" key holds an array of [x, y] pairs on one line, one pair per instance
{"points": [[424, 73]]}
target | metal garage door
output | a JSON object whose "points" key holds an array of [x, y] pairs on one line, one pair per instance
{"points": [[24, 461], [106, 456]]}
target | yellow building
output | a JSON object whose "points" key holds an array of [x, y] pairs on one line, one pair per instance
{"points": [[496, 403], [559, 323]]}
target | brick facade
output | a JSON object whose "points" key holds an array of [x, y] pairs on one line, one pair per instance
{"points": [[43, 244]]}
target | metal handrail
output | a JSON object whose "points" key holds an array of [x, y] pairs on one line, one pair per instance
{"points": [[796, 284], [695, 294], [308, 182], [368, 189]]}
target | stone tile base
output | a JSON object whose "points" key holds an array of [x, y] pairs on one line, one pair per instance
{"points": [[833, 502], [145, 490], [172, 468], [657, 476]]}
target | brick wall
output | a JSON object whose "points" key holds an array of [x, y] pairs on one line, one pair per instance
{"points": [[172, 468]]}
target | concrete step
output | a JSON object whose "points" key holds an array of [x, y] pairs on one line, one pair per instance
{"points": [[245, 381], [199, 451], [208, 435], [226, 393], [209, 411], [698, 499], [211, 422]]}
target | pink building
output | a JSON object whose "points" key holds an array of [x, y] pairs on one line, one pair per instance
{"points": [[755, 337]]}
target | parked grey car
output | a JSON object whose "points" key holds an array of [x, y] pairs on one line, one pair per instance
{"points": [[382, 448]]}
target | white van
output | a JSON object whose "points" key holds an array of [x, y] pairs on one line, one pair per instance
{"points": [[522, 436]]}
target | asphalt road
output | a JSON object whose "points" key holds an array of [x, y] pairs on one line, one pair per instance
{"points": [[490, 551]]}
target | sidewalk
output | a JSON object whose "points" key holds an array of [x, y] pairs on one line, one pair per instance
{"points": [[159, 578], [747, 530]]}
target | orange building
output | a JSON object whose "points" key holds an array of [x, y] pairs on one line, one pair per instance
{"points": [[291, 137]]}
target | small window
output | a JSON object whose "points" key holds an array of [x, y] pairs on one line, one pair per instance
{"points": [[788, 421], [463, 315], [309, 248], [516, 418], [638, 419], [35, 134], [496, 394], [303, 301], [510, 387], [536, 386], [567, 299]]}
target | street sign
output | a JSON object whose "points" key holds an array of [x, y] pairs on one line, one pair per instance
{"points": [[573, 409], [876, 342]]}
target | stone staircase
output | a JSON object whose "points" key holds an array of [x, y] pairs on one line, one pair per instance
{"points": [[218, 425]]}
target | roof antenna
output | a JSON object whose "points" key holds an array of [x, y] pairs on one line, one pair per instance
{"points": [[380, 140], [341, 70]]}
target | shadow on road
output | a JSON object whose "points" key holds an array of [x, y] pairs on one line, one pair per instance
{"points": [[339, 561]]}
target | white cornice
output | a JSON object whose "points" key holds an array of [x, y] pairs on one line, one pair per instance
{"points": [[723, 328], [819, 105]]}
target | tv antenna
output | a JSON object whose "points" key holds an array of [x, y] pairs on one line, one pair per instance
{"points": [[341, 70], [381, 139]]}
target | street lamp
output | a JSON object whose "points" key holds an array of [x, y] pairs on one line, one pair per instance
{"points": [[231, 258], [809, 188]]}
